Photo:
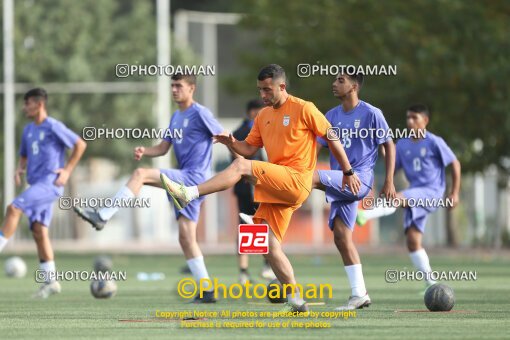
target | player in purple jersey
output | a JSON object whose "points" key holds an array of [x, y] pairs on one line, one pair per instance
{"points": [[42, 157], [424, 161], [361, 128], [193, 150]]}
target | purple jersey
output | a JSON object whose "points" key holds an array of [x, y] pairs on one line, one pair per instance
{"points": [[424, 161], [44, 146], [361, 131], [194, 150]]}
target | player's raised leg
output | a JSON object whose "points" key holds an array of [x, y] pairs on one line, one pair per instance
{"points": [[225, 179], [343, 240], [140, 177], [46, 261], [417, 253], [11, 221]]}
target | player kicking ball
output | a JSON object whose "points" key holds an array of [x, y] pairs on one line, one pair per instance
{"points": [[287, 127], [351, 117], [194, 153], [42, 155], [424, 161], [243, 190]]}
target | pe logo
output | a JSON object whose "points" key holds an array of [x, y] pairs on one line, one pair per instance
{"points": [[253, 239]]}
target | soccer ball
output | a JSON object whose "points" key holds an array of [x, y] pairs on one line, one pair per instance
{"points": [[103, 264], [439, 298], [103, 289], [272, 287], [15, 267]]}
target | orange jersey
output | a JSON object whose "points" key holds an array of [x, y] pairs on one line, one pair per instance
{"points": [[289, 136]]}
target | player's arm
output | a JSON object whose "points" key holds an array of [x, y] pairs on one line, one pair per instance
{"points": [[64, 173], [319, 148], [456, 175], [237, 147], [20, 170], [152, 151], [350, 178], [388, 189]]}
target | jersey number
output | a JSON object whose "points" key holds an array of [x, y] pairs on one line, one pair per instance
{"points": [[346, 142], [35, 148], [417, 164]]}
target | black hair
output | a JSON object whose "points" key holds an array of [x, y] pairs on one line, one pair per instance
{"points": [[189, 78], [37, 93], [357, 78], [273, 71], [254, 104], [419, 108]]}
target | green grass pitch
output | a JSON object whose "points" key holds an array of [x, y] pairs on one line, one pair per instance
{"points": [[76, 314]]}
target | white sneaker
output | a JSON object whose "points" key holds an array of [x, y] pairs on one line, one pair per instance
{"points": [[47, 289], [243, 278], [247, 219], [267, 273], [355, 302]]}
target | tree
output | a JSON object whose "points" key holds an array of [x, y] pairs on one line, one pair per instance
{"points": [[451, 55]]}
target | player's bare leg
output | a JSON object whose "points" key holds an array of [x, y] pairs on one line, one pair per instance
{"points": [[284, 273], [42, 241], [223, 180], [316, 182], [350, 256], [345, 245], [194, 257], [11, 221], [244, 276], [413, 239], [140, 177], [226, 178], [417, 253], [46, 262], [188, 238]]}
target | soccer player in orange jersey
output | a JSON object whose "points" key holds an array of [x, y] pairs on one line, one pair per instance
{"points": [[287, 128]]}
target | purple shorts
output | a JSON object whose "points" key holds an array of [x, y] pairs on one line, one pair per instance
{"points": [[37, 202], [417, 216], [188, 178], [344, 204]]}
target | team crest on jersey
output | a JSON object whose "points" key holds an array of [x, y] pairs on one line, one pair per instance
{"points": [[357, 123], [185, 123], [286, 120], [41, 135], [423, 152]]}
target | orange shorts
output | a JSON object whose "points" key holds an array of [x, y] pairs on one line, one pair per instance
{"points": [[280, 191]]}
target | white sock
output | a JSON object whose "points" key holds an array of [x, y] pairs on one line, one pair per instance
{"points": [[420, 260], [296, 297], [378, 212], [107, 213], [198, 269], [3, 242], [192, 193], [355, 275], [49, 269]]}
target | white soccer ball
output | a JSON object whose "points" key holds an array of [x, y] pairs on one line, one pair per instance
{"points": [[15, 267], [103, 289]]}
